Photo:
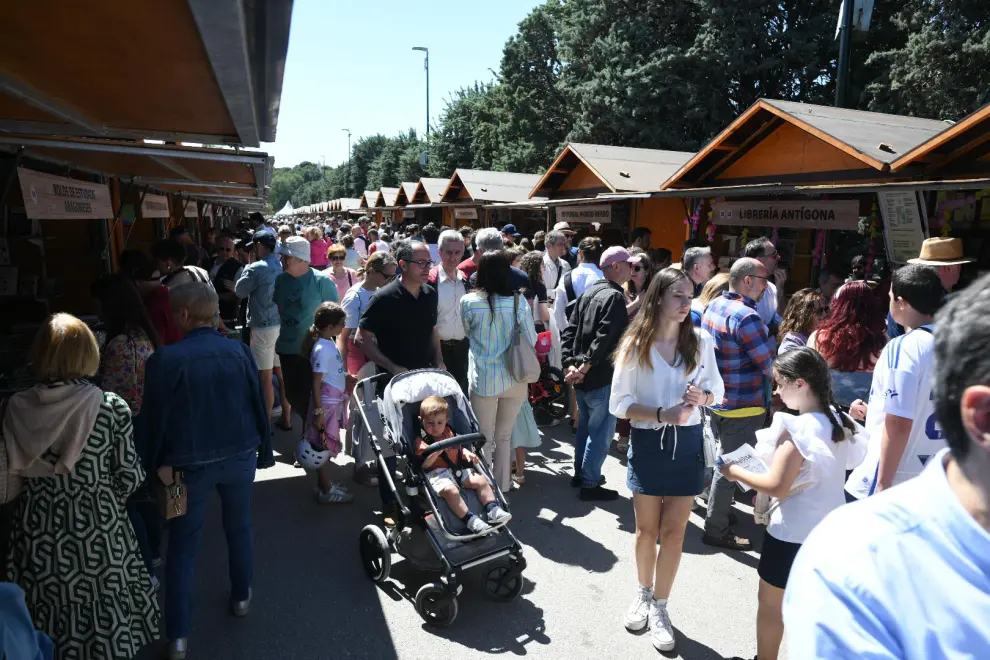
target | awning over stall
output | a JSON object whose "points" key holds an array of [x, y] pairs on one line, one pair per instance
{"points": [[961, 149], [487, 186], [583, 170]]}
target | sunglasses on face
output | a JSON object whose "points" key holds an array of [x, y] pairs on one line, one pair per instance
{"points": [[337, 258], [226, 249], [639, 269]]}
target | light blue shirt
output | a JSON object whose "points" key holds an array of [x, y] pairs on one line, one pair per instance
{"points": [[490, 338], [257, 283], [903, 574]]}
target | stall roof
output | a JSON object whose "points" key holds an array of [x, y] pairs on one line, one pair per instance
{"points": [[225, 176], [874, 139], [407, 190], [620, 169], [488, 186], [968, 139], [369, 199], [429, 191], [349, 204], [387, 198], [206, 71]]}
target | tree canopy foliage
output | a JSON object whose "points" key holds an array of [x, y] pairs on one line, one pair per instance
{"points": [[669, 74]]}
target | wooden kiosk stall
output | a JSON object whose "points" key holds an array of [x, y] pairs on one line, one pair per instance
{"points": [[815, 179], [388, 206], [407, 190], [425, 202], [581, 177], [472, 198], [369, 203]]}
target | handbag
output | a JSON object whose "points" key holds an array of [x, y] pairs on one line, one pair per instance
{"points": [[170, 493], [10, 484], [708, 440], [520, 359]]}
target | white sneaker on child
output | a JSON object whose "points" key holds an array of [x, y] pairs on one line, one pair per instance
{"points": [[336, 495], [476, 525], [499, 516], [661, 629], [638, 613]]}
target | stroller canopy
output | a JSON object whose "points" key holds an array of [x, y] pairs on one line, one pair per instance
{"points": [[414, 386]]}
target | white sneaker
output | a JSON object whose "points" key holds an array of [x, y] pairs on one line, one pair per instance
{"points": [[336, 495], [477, 526], [637, 615], [660, 628], [498, 516]]}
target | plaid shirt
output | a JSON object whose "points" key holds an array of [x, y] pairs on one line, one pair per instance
{"points": [[743, 351]]}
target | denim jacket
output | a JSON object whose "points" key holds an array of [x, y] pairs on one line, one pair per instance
{"points": [[257, 284], [203, 403]]}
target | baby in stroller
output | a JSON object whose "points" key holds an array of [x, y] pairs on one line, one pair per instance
{"points": [[446, 468]]}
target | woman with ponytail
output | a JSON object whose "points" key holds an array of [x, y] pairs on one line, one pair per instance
{"points": [[330, 381], [811, 453]]}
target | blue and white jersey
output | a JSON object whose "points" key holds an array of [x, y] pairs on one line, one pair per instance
{"points": [[902, 385]]}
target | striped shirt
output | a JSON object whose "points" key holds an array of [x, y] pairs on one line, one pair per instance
{"points": [[743, 352], [490, 338]]}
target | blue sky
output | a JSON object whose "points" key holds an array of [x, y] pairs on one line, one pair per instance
{"points": [[351, 65]]}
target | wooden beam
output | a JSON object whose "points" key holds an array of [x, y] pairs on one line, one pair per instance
{"points": [[765, 129]]}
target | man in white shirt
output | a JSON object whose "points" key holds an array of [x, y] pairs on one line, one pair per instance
{"points": [[574, 283], [906, 574], [360, 242], [771, 306], [554, 266], [900, 418], [451, 285]]}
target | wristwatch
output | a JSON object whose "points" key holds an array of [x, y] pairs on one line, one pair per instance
{"points": [[709, 393]]}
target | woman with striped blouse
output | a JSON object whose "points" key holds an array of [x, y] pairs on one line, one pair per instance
{"points": [[489, 314]]}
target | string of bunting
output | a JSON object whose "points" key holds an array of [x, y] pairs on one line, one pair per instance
{"points": [[710, 231]]}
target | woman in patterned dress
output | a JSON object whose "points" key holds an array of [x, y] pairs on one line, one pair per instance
{"points": [[72, 549]]}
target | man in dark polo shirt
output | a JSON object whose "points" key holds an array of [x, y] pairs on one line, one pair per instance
{"points": [[398, 331]]}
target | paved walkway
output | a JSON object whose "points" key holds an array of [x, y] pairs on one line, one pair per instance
{"points": [[312, 599]]}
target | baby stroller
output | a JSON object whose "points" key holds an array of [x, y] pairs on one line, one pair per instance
{"points": [[428, 534], [549, 388]]}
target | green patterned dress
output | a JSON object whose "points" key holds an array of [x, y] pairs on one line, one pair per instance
{"points": [[74, 551]]}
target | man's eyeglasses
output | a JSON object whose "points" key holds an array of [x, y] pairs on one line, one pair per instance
{"points": [[422, 264], [761, 277], [773, 255]]}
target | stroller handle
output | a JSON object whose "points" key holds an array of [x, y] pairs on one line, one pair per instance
{"points": [[456, 441]]}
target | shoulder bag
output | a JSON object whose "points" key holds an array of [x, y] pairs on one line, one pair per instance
{"points": [[10, 484], [520, 359], [170, 493]]}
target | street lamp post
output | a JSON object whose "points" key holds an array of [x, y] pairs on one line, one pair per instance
{"points": [[348, 131], [427, 66]]}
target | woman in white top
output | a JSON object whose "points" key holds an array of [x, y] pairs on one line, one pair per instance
{"points": [[811, 453], [490, 314], [664, 370]]}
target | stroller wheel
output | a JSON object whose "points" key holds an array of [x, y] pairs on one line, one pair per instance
{"points": [[436, 605], [376, 555], [503, 582]]}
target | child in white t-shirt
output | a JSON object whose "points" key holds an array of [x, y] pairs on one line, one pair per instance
{"points": [[330, 381], [810, 455]]}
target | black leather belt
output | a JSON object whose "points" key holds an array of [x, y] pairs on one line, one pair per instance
{"points": [[452, 342]]}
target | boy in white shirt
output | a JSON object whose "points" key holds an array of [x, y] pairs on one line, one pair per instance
{"points": [[900, 417]]}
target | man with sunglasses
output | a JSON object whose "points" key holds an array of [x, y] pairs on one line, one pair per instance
{"points": [[771, 306], [227, 272], [398, 332]]}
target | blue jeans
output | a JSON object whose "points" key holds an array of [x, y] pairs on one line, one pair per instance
{"points": [[233, 479], [595, 428]]}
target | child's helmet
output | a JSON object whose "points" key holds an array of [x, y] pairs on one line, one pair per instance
{"points": [[310, 457]]}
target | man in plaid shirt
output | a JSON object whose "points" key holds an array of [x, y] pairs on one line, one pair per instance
{"points": [[745, 353]]}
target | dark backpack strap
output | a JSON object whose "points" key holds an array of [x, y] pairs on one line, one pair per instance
{"points": [[560, 273], [569, 286]]}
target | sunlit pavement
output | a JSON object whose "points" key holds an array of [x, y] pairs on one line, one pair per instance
{"points": [[313, 600]]}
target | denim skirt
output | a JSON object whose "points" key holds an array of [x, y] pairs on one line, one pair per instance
{"points": [[664, 465]]}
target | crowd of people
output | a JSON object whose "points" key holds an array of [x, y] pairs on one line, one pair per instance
{"points": [[683, 369]]}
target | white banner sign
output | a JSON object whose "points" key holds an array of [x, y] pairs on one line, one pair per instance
{"points": [[408, 213], [48, 197], [189, 210], [154, 206], [813, 214], [601, 214], [465, 214], [902, 224]]}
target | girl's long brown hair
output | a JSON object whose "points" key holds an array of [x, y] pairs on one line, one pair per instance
{"points": [[638, 338], [328, 314]]}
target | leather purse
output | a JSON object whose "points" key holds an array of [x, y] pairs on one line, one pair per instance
{"points": [[520, 359], [170, 493]]}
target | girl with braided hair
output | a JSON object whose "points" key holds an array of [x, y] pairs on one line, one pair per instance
{"points": [[813, 450]]}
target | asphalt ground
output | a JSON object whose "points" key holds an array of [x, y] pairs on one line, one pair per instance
{"points": [[313, 600]]}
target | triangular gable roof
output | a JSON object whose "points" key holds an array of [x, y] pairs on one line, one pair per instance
{"points": [[286, 210], [348, 203], [620, 169], [369, 199], [388, 196], [488, 186], [969, 137], [873, 138], [429, 190], [407, 190]]}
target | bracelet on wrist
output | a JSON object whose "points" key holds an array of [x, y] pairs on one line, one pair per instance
{"points": [[659, 412]]}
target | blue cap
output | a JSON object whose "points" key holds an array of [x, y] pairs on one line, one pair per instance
{"points": [[510, 230]]}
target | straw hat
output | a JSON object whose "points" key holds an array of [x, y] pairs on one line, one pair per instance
{"points": [[941, 252]]}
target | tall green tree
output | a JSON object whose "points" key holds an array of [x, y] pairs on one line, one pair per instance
{"points": [[467, 134]]}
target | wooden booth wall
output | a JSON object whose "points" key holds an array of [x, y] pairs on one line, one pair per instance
{"points": [[665, 218]]}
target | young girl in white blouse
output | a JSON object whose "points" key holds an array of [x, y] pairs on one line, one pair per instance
{"points": [[811, 453], [665, 370]]}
